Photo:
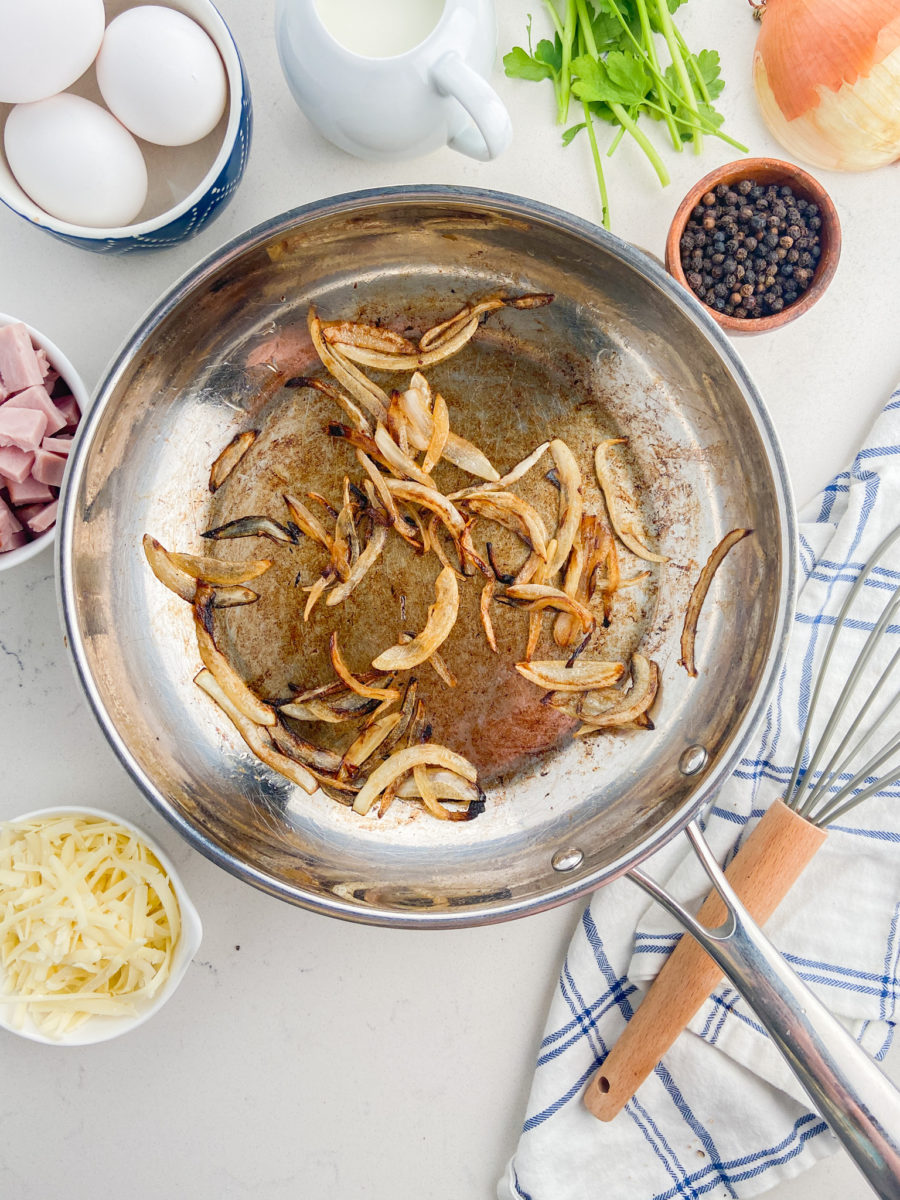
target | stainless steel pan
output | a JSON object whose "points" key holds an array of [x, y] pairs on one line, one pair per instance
{"points": [[622, 349]]}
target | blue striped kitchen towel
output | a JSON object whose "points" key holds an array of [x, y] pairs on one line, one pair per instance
{"points": [[722, 1116]]}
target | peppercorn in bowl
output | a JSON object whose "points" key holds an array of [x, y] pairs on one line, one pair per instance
{"points": [[757, 242]]}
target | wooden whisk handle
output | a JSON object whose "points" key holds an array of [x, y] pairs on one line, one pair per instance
{"points": [[761, 873]]}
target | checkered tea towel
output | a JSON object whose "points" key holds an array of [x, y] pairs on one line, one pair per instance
{"points": [[722, 1116]]}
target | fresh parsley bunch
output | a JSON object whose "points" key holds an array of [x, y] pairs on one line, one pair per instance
{"points": [[606, 54]]}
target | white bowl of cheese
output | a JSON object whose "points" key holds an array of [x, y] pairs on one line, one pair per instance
{"points": [[96, 929]]}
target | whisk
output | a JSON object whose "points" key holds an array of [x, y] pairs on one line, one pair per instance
{"points": [[786, 839]]}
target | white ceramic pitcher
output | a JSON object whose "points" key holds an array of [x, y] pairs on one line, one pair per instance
{"points": [[404, 104]]}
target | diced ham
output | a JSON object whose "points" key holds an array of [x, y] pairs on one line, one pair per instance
{"points": [[39, 399], [19, 364], [56, 445], [22, 427], [15, 463], [39, 517], [68, 406], [13, 542], [44, 362], [48, 468], [29, 491], [10, 527]]}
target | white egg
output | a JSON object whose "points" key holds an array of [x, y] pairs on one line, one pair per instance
{"points": [[161, 75], [76, 161], [45, 45]]}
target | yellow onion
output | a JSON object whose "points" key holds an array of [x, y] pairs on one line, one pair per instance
{"points": [[827, 77]]}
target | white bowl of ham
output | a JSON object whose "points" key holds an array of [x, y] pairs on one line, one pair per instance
{"points": [[99, 929], [41, 402]]}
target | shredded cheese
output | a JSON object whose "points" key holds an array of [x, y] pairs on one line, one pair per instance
{"points": [[88, 921]]}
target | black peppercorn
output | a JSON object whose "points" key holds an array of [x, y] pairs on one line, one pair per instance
{"points": [[750, 250]]}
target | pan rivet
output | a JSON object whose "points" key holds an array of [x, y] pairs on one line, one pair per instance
{"points": [[567, 860], [692, 760]]}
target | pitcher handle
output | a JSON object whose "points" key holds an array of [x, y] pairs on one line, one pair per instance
{"points": [[493, 128]]}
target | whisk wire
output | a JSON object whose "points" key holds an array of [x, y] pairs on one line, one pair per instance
{"points": [[822, 817], [841, 759], [838, 804]]}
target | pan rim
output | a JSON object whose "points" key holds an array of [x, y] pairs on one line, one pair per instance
{"points": [[509, 205]]}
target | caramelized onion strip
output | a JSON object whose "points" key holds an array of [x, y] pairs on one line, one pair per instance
{"points": [[555, 675], [513, 513], [427, 793], [335, 687], [435, 660], [361, 567], [378, 483], [505, 481], [635, 703], [185, 585], [436, 545], [315, 593], [416, 401], [343, 401], [439, 434], [536, 620], [368, 337], [570, 503], [445, 785], [360, 387], [698, 595], [368, 742], [251, 527], [440, 333], [399, 462], [315, 758], [397, 424], [537, 596], [344, 673], [441, 619], [315, 710], [403, 761], [230, 457], [621, 505], [487, 594], [308, 522], [215, 570], [254, 735], [378, 360], [237, 691]]}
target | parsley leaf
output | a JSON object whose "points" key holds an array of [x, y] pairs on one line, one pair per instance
{"points": [[623, 60], [573, 132], [519, 64]]}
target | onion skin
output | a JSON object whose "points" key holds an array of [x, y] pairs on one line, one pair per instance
{"points": [[827, 78]]}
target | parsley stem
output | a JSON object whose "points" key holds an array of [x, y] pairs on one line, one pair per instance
{"points": [[662, 84], [647, 34], [598, 165], [566, 70], [558, 84], [643, 141], [617, 110], [692, 63], [668, 31], [620, 133], [704, 124]]}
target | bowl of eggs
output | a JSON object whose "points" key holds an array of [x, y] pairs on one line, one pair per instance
{"points": [[124, 127]]}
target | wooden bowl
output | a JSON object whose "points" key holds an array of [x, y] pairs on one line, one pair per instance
{"points": [[763, 171]]}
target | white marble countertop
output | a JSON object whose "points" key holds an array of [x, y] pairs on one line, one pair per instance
{"points": [[302, 1056]]}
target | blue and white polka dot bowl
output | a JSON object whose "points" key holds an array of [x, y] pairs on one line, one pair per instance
{"points": [[162, 224]]}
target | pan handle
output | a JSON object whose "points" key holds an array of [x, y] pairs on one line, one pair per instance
{"points": [[857, 1100]]}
